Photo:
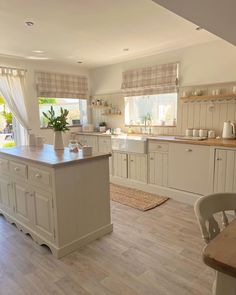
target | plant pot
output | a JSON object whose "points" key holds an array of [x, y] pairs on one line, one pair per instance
{"points": [[58, 141]]}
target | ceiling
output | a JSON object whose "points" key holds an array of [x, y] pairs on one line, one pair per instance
{"points": [[217, 17], [92, 31]]}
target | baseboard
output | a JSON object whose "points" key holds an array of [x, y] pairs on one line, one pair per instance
{"points": [[59, 252], [75, 245], [181, 196]]}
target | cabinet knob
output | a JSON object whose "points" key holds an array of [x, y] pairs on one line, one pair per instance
{"points": [[159, 146], [188, 150], [131, 160], [17, 169], [218, 159], [151, 158]]}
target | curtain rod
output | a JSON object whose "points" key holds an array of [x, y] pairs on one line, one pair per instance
{"points": [[10, 68]]}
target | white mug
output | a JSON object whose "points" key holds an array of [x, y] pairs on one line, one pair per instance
{"points": [[39, 141], [203, 133], [211, 134], [195, 132], [189, 132], [32, 140]]}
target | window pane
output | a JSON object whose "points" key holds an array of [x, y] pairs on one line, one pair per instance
{"points": [[77, 109], [158, 109], [6, 126]]}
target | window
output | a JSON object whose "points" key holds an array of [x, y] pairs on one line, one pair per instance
{"points": [[77, 109], [6, 126], [153, 110]]}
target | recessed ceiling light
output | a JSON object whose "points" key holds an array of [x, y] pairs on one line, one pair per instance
{"points": [[125, 49], [38, 51], [198, 28], [79, 62], [29, 23]]}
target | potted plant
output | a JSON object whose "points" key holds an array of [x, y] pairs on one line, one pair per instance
{"points": [[58, 124], [102, 126]]}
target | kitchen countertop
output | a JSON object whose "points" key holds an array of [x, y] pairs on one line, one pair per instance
{"points": [[220, 253], [48, 156], [229, 143]]}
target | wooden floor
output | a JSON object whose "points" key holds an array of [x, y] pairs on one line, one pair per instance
{"points": [[155, 252]]}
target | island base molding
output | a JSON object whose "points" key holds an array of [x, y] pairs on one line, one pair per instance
{"points": [[66, 249], [181, 196]]}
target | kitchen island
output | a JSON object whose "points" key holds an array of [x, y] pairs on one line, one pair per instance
{"points": [[60, 198]]}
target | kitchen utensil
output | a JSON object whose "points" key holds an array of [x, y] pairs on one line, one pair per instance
{"points": [[228, 130]]}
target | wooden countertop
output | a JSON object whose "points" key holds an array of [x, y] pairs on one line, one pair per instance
{"points": [[220, 253], [228, 143], [48, 156]]}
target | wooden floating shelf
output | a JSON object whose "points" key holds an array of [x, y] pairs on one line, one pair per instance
{"points": [[208, 97]]}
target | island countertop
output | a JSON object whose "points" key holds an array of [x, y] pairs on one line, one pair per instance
{"points": [[46, 155]]}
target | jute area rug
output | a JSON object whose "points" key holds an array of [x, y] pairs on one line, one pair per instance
{"points": [[135, 198]]}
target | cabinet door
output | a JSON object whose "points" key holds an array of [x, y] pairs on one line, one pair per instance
{"points": [[158, 168], [225, 171], [119, 163], [189, 168], [137, 167], [92, 140], [23, 204], [6, 202], [43, 214]]}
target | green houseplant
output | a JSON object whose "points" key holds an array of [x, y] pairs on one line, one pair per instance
{"points": [[58, 124]]}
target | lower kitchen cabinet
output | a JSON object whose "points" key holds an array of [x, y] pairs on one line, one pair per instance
{"points": [[158, 168], [137, 167], [119, 163], [43, 217], [6, 195], [225, 171], [189, 168], [23, 203]]}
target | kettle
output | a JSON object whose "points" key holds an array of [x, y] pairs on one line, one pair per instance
{"points": [[228, 130]]}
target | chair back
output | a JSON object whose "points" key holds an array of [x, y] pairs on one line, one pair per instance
{"points": [[205, 208]]}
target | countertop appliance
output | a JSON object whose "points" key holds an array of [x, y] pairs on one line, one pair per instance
{"points": [[228, 130]]}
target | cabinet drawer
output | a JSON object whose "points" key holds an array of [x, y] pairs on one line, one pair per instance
{"points": [[18, 169], [39, 176], [157, 146], [4, 165]]}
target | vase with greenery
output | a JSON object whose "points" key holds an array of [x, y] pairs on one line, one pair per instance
{"points": [[58, 124]]}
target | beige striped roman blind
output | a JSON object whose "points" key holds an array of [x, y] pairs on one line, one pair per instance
{"points": [[61, 85], [151, 80]]}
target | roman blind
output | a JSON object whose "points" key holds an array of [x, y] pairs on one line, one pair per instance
{"points": [[61, 85], [151, 80]]}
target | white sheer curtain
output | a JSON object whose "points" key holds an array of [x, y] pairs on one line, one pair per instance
{"points": [[12, 88]]}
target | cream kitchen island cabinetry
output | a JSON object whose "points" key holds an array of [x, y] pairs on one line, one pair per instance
{"points": [[60, 198]]}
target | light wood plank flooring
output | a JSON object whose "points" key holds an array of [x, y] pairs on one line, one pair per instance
{"points": [[155, 252]]}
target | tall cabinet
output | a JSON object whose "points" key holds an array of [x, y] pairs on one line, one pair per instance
{"points": [[225, 171]]}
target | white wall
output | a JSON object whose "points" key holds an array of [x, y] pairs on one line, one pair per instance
{"points": [[202, 64], [32, 103], [207, 63]]}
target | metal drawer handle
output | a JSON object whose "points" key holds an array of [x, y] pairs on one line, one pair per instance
{"points": [[188, 150], [17, 169], [38, 175]]}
